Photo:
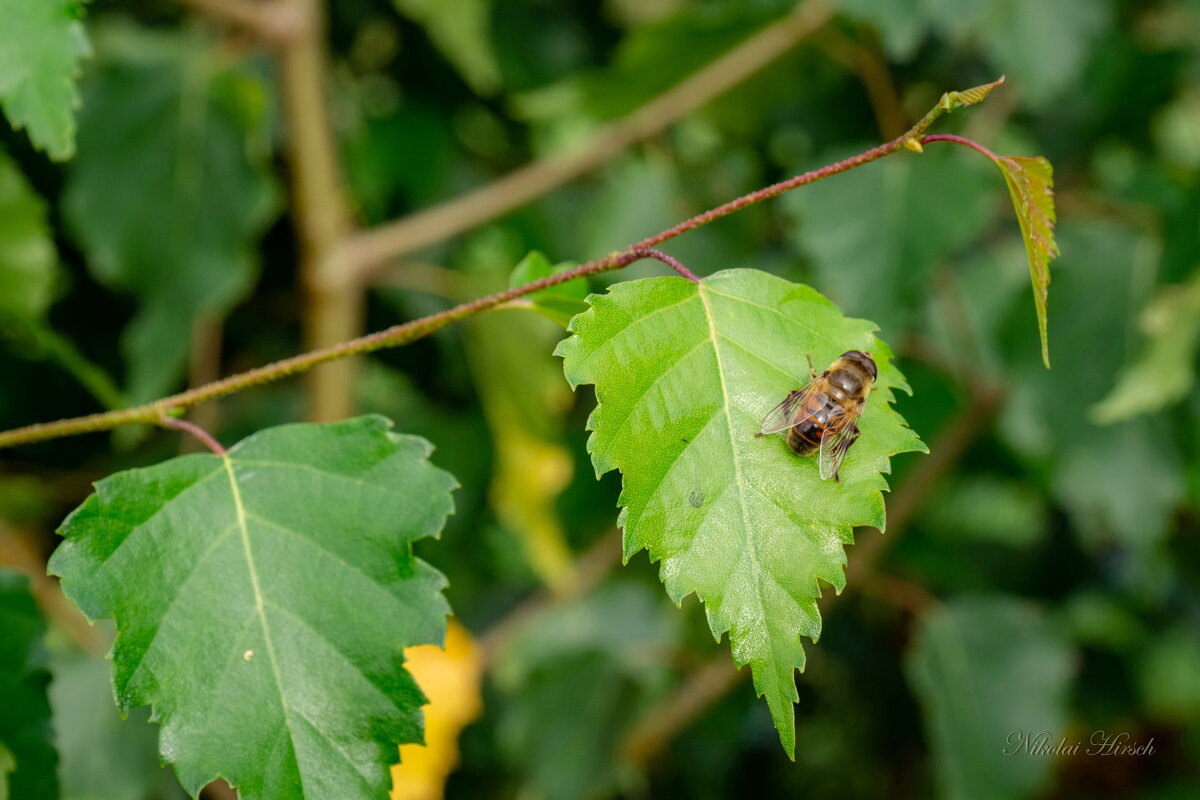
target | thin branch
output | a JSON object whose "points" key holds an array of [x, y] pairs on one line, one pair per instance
{"points": [[716, 677], [371, 250], [416, 329]]}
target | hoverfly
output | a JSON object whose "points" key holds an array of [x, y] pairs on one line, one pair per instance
{"points": [[823, 414]]}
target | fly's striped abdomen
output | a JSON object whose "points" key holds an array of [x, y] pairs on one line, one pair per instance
{"points": [[805, 437], [812, 420]]}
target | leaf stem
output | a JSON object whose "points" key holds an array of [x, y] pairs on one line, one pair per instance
{"points": [[195, 430], [971, 143], [670, 261], [408, 332]]}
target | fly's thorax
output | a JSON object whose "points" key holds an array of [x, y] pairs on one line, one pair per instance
{"points": [[847, 382], [862, 362]]}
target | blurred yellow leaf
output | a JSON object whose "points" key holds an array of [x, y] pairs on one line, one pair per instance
{"points": [[524, 399], [450, 678], [530, 474]]}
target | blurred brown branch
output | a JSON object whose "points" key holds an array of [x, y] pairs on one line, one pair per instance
{"points": [[716, 677], [589, 570], [275, 22], [865, 61], [332, 300], [372, 249]]}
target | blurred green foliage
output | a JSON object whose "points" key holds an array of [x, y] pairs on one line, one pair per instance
{"points": [[28, 762], [1062, 545]]}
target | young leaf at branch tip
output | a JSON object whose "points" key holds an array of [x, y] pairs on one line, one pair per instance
{"points": [[948, 103], [952, 101], [558, 303], [684, 373], [1030, 182], [263, 600]]}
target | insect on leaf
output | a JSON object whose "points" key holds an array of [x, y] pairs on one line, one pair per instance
{"points": [[684, 373], [263, 601], [1030, 182]]}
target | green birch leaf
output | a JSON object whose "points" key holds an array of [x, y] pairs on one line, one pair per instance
{"points": [[41, 42], [684, 374], [1031, 184], [171, 191], [25, 730], [263, 601]]}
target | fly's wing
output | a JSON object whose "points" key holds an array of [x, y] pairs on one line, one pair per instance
{"points": [[835, 443], [787, 414]]}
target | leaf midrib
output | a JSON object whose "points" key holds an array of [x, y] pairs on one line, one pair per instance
{"points": [[740, 485], [260, 605]]}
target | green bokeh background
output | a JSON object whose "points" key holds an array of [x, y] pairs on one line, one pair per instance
{"points": [[1048, 579]]}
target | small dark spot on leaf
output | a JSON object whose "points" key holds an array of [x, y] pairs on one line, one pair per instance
{"points": [[696, 498], [683, 439]]}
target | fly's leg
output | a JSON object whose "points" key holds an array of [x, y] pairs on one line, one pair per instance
{"points": [[812, 372]]}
